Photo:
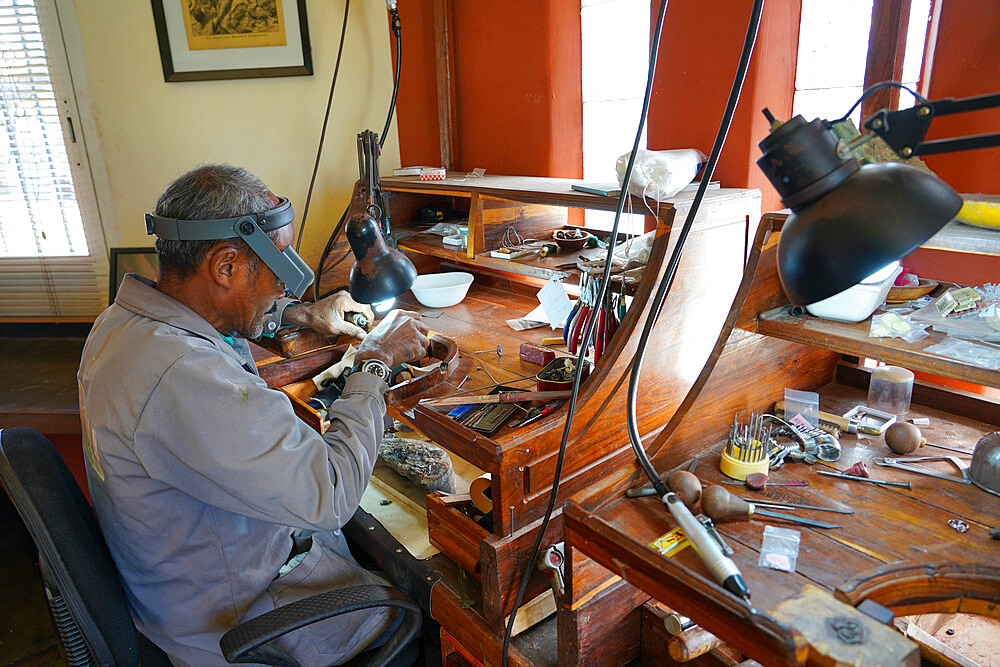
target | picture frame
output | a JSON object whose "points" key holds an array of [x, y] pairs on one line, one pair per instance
{"points": [[142, 261], [277, 45]]}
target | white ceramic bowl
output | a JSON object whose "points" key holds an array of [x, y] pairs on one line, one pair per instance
{"points": [[858, 302], [440, 290]]}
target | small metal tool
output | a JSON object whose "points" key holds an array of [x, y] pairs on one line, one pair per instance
{"points": [[795, 519], [552, 559], [483, 367], [464, 380], [840, 475], [644, 492], [959, 525], [790, 482], [710, 527], [498, 350], [764, 503], [902, 464], [530, 414]]}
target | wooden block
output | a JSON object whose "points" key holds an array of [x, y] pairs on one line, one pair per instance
{"points": [[841, 634], [532, 612], [535, 354], [691, 643]]}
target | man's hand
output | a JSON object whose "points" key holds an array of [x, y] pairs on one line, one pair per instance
{"points": [[400, 337], [327, 315]]}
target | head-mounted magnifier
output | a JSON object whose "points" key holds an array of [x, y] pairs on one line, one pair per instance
{"points": [[287, 266]]}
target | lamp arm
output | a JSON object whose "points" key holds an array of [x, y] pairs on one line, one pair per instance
{"points": [[904, 130]]}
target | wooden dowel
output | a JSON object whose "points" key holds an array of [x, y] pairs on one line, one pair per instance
{"points": [[691, 644]]}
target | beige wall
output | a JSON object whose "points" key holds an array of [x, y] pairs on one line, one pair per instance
{"points": [[149, 131]]}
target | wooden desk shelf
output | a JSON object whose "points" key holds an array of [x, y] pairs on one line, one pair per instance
{"points": [[853, 339]]}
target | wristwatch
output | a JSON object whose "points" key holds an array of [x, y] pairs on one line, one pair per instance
{"points": [[375, 367]]}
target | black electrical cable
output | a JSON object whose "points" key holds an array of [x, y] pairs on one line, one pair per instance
{"points": [[874, 88], [397, 32], [668, 276], [326, 121], [588, 333]]}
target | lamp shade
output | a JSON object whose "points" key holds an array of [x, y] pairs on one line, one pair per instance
{"points": [[847, 220], [379, 272]]}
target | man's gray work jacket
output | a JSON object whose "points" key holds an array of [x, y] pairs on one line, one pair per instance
{"points": [[200, 475]]}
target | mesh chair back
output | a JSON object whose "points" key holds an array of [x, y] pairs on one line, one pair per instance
{"points": [[71, 547]]}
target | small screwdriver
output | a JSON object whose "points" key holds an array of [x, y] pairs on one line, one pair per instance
{"points": [[547, 409]]}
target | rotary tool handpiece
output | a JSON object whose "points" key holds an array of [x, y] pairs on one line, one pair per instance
{"points": [[722, 568]]}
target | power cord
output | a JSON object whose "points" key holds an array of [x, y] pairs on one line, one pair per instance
{"points": [[588, 334], [881, 85], [326, 121], [396, 27], [668, 277]]}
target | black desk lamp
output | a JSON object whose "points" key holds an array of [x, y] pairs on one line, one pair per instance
{"points": [[848, 220], [379, 272]]}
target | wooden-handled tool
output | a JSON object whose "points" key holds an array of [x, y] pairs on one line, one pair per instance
{"points": [[720, 505], [504, 397], [904, 437], [686, 485]]}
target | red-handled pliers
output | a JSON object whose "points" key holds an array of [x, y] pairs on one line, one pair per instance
{"points": [[600, 339]]}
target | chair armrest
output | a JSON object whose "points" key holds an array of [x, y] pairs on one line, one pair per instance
{"points": [[248, 641]]}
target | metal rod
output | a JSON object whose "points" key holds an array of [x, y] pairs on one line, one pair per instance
{"points": [[763, 503], [840, 475], [795, 519], [483, 366]]}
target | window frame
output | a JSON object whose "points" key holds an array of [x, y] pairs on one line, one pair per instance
{"points": [[79, 282]]}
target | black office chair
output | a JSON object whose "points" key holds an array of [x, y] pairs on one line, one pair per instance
{"points": [[86, 596]]}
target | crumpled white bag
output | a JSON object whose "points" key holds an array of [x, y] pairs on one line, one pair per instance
{"points": [[659, 175]]}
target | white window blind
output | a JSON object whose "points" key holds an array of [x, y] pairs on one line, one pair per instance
{"points": [[53, 262]]}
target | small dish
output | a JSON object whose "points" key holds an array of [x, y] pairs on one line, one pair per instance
{"points": [[570, 239], [907, 292], [554, 377], [441, 290]]}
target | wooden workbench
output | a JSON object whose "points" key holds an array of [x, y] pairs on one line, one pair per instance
{"points": [[522, 462], [896, 549]]}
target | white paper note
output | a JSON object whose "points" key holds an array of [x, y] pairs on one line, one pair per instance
{"points": [[555, 302]]}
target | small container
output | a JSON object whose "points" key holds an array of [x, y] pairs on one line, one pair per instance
{"points": [[545, 378], [441, 290], [859, 301], [805, 403], [570, 239], [890, 389], [432, 174], [863, 415]]}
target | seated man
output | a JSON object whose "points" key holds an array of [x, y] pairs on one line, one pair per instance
{"points": [[216, 502]]}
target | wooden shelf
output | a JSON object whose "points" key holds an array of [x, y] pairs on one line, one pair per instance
{"points": [[959, 237], [530, 190], [854, 339], [533, 267]]}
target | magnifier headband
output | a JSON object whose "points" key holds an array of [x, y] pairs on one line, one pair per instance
{"points": [[252, 228]]}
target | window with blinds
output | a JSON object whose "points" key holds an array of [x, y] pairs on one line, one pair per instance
{"points": [[53, 263]]}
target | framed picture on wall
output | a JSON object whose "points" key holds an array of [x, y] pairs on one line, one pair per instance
{"points": [[141, 261], [203, 40]]}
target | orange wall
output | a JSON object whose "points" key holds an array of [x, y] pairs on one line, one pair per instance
{"points": [[517, 73], [416, 102], [699, 51], [517, 80], [967, 63]]}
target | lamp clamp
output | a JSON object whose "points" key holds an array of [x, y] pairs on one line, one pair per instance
{"points": [[904, 130]]}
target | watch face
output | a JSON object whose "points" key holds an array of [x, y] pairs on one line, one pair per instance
{"points": [[376, 368]]}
